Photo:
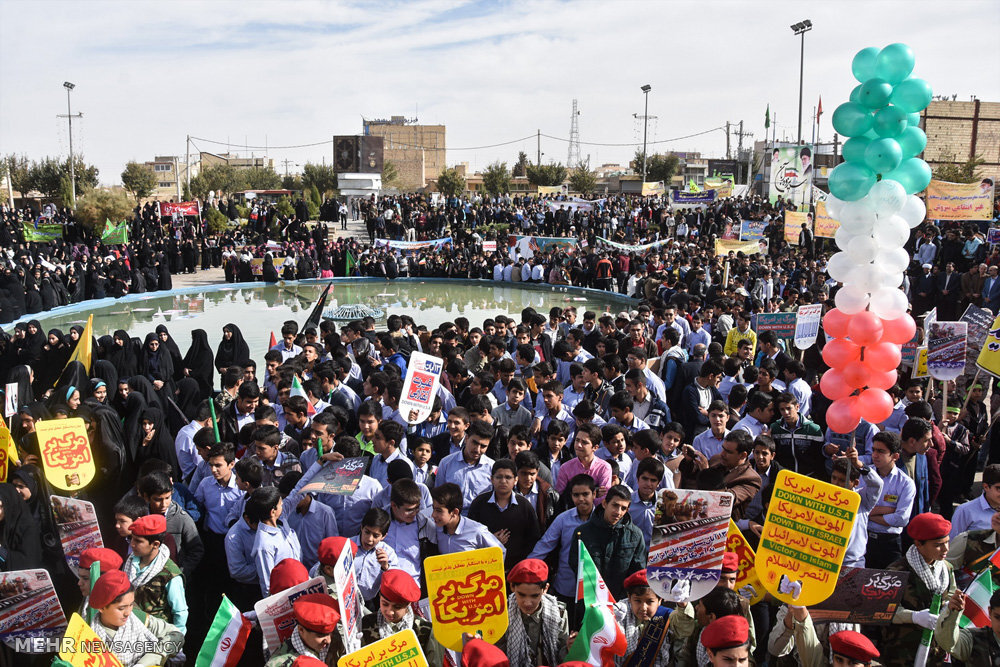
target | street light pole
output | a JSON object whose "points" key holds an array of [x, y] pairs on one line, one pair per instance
{"points": [[645, 127], [72, 167], [801, 29]]}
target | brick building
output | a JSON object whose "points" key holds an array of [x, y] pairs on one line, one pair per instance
{"points": [[417, 151], [957, 131]]}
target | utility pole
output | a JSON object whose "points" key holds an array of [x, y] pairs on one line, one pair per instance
{"points": [[728, 154], [187, 163], [538, 160], [72, 166], [645, 129], [286, 162], [801, 28]]}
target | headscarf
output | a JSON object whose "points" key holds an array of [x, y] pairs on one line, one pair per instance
{"points": [[198, 361], [19, 533], [156, 364], [171, 346], [138, 384], [162, 446], [105, 370], [124, 358], [22, 376], [232, 352]]}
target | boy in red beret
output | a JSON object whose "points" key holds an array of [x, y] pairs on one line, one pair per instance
{"points": [[931, 577], [128, 630], [315, 634], [847, 647], [644, 620], [109, 560], [328, 553], [158, 582], [538, 629], [727, 641], [397, 594]]}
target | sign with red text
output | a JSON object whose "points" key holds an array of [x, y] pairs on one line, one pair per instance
{"points": [[29, 609], [805, 536], [83, 648], [338, 478], [275, 615], [78, 527], [747, 582], [66, 456], [399, 650], [863, 596], [423, 376], [467, 592], [345, 581]]}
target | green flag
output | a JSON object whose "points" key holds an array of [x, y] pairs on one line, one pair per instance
{"points": [[349, 265], [767, 117]]}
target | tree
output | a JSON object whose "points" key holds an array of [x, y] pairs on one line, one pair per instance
{"points": [[521, 167], [659, 167], [223, 179], [96, 206], [955, 172], [322, 176], [19, 168], [450, 183], [583, 179], [292, 183], [261, 179], [139, 179], [216, 220], [546, 174], [390, 175], [496, 179]]}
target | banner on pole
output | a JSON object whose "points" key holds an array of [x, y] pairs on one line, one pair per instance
{"points": [[863, 596], [783, 324], [960, 201], [752, 230], [825, 227], [338, 478], [527, 246], [946, 350], [791, 174], [723, 248], [412, 245]]}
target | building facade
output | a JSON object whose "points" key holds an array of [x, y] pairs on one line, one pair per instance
{"points": [[171, 174], [957, 131], [417, 151]]}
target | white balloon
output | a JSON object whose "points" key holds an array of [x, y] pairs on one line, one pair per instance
{"points": [[858, 218], [866, 277], [888, 303], [840, 266], [913, 211], [894, 260], [851, 299], [843, 237], [834, 206], [892, 232], [888, 197], [862, 249], [892, 280]]}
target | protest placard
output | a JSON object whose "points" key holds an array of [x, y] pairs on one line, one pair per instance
{"points": [[689, 539], [989, 355], [66, 456], [807, 319], [29, 609], [76, 521], [747, 582], [946, 350], [910, 351], [863, 596], [489, 246], [345, 581], [274, 613], [783, 324], [10, 400], [467, 593], [423, 376], [84, 648], [920, 368], [400, 649], [340, 477], [804, 538]]}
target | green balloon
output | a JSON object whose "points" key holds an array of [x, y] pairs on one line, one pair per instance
{"points": [[912, 142], [851, 181], [913, 119], [863, 65], [854, 149], [889, 122], [912, 95], [894, 63], [851, 119], [883, 155], [913, 174], [874, 93], [855, 95], [871, 135]]}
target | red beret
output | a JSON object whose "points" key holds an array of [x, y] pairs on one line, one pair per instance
{"points": [[316, 612], [151, 524], [928, 526], [478, 653], [529, 571], [286, 574], [109, 560], [109, 587], [853, 645], [636, 579], [308, 661], [730, 562], [331, 548], [399, 587], [726, 632]]}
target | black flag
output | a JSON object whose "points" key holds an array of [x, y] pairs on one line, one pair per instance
{"points": [[316, 316]]}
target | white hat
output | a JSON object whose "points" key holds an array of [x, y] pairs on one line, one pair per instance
{"points": [[927, 266]]}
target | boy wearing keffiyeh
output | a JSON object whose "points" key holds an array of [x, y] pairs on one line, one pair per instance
{"points": [[538, 632], [158, 582]]}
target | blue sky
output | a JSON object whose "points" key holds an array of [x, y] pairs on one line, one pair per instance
{"points": [[289, 73]]}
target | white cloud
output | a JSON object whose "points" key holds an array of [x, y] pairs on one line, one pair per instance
{"points": [[149, 73]]}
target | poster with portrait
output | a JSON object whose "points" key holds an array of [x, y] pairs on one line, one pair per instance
{"points": [[791, 174]]}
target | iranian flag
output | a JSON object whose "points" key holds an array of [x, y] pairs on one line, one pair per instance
{"points": [[600, 638], [590, 586], [977, 602], [226, 638], [297, 390]]}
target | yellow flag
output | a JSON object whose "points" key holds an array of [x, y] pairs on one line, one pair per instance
{"points": [[84, 352], [8, 452], [989, 356]]}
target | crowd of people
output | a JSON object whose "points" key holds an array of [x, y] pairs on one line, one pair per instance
{"points": [[550, 429]]}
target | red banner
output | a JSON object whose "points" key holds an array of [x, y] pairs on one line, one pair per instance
{"points": [[184, 208]]}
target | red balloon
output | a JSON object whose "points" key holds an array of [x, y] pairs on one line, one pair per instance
{"points": [[876, 405], [899, 330], [882, 380], [839, 352], [865, 328], [843, 415], [835, 323], [833, 386], [883, 357], [856, 374]]}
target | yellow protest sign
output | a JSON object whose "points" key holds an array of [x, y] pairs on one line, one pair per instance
{"points": [[747, 582], [989, 356], [66, 456], [400, 649], [8, 452], [960, 201], [920, 368], [651, 188], [793, 225], [467, 592], [825, 226], [804, 539], [82, 647], [723, 247]]}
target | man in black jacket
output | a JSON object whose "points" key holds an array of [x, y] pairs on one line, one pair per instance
{"points": [[697, 396]]}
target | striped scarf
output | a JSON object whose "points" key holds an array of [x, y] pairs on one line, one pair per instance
{"points": [[517, 636], [301, 648], [127, 639]]}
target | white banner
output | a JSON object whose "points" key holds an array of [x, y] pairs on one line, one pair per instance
{"points": [[633, 248], [412, 245], [807, 325], [423, 375]]}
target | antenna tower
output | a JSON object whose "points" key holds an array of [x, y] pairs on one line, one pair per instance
{"points": [[573, 157]]}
